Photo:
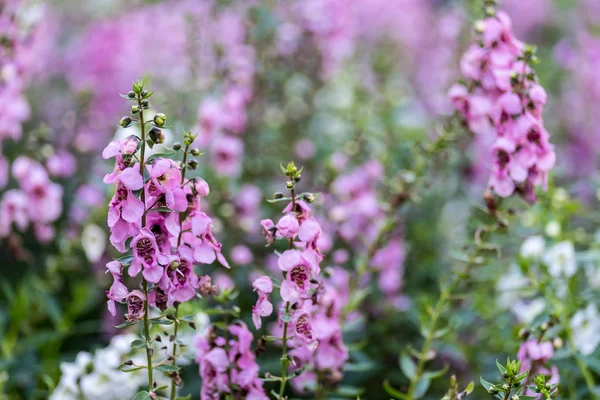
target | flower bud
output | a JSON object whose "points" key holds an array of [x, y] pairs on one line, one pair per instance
{"points": [[145, 103], [144, 93], [131, 94], [289, 185], [160, 119], [157, 135], [193, 164], [278, 195], [125, 122], [308, 197], [557, 343], [195, 152], [135, 109], [176, 146], [524, 333]]}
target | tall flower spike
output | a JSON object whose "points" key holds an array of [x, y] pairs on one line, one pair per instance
{"points": [[502, 105], [146, 219], [301, 289]]}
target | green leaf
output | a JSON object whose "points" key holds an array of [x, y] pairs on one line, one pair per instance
{"points": [[278, 200], [470, 388], [142, 396], [358, 367], [125, 260], [421, 388], [487, 385], [348, 391], [126, 324], [138, 344], [159, 321], [167, 368], [164, 154], [407, 365], [436, 374], [500, 367], [128, 368], [188, 397], [391, 391]]}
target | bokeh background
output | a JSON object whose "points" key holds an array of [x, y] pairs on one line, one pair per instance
{"points": [[352, 90]]}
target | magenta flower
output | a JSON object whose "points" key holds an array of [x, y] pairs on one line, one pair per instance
{"points": [[228, 367], [263, 308], [135, 305], [288, 226], [147, 257]]}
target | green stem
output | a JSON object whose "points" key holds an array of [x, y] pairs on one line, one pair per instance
{"points": [[284, 355], [144, 283], [437, 311], [174, 353]]}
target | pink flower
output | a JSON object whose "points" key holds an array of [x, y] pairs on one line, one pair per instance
{"points": [[228, 366], [288, 226], [135, 305], [241, 255], [226, 155], [148, 256], [303, 332], [269, 230], [263, 308]]}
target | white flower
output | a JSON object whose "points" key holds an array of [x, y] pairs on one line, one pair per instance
{"points": [[560, 260], [553, 229], [527, 311], [592, 273], [510, 285], [585, 325], [533, 247], [93, 241]]}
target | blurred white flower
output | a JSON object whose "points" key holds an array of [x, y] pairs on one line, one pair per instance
{"points": [[592, 273], [527, 311], [585, 325], [509, 287], [560, 260], [553, 229], [533, 247], [93, 241]]}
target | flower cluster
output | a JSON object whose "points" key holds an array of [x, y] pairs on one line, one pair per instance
{"points": [[310, 313], [228, 365], [357, 212], [157, 214], [37, 201], [502, 105], [323, 367], [535, 353]]}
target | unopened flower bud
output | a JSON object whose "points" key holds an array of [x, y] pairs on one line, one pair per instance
{"points": [[289, 185], [125, 122], [557, 343], [195, 152], [135, 109], [144, 93], [160, 119], [278, 195], [309, 197], [193, 164], [544, 326], [128, 362], [145, 103], [479, 27], [157, 135], [176, 146], [131, 94], [524, 333]]}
